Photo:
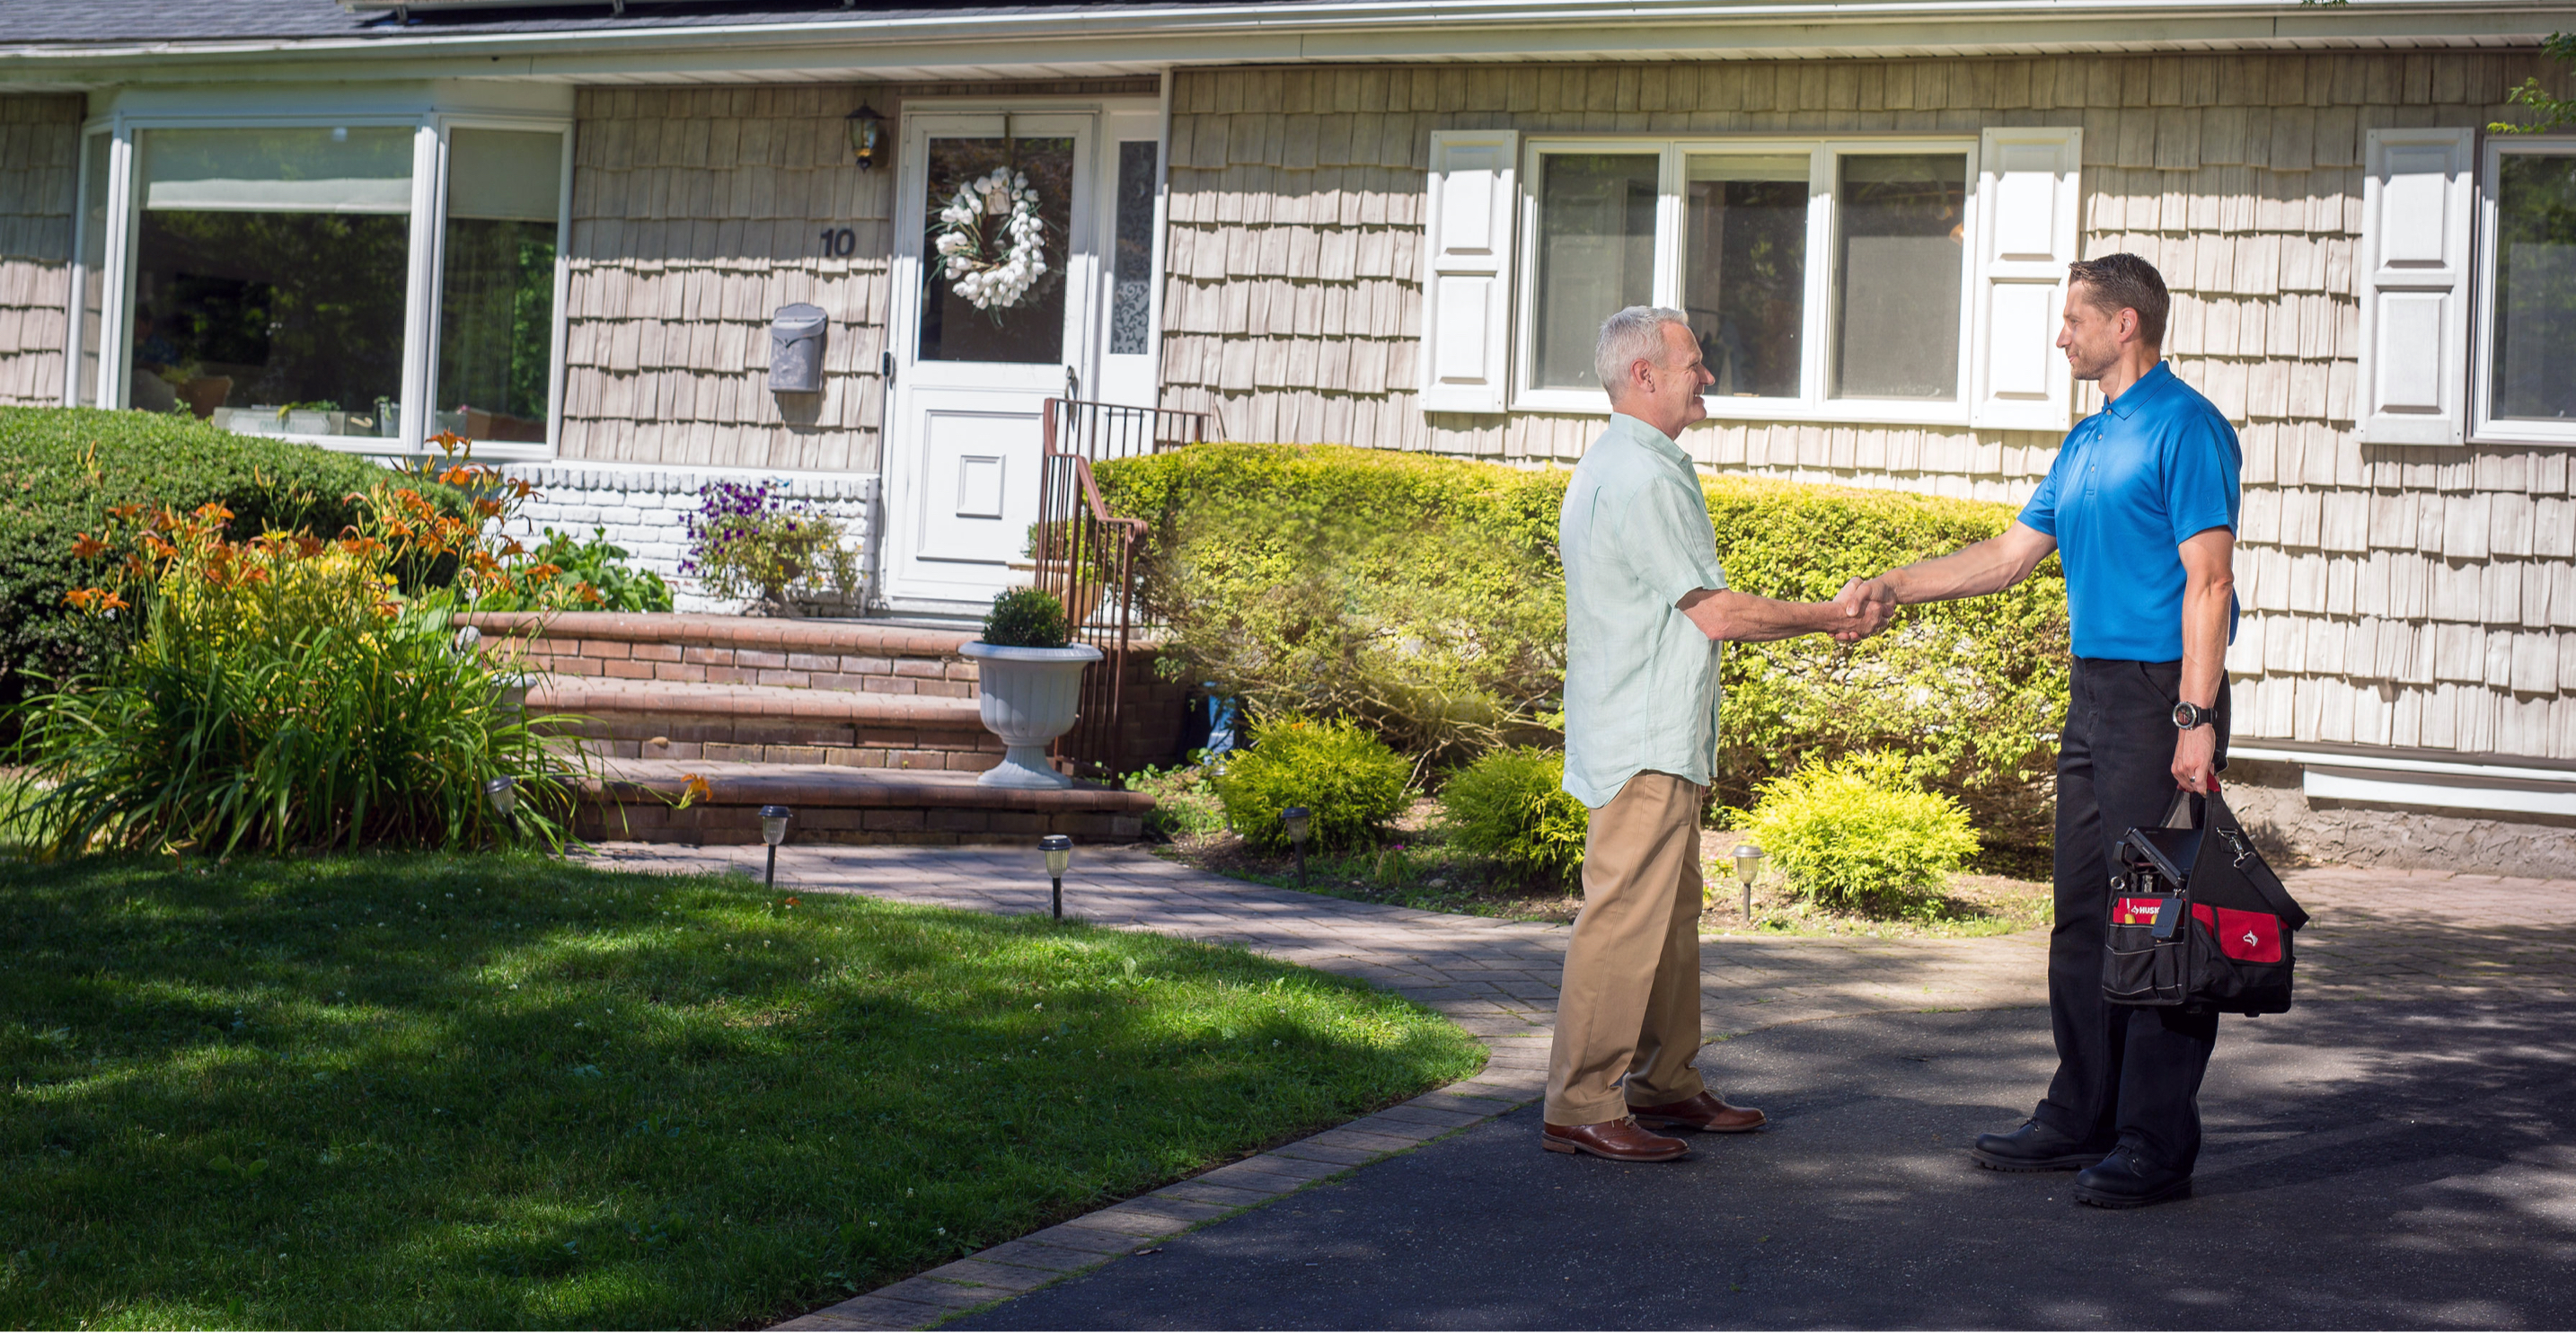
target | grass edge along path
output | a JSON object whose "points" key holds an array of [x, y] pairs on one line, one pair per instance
{"points": [[505, 1091]]}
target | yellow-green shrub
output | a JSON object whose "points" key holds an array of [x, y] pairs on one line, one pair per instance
{"points": [[1858, 832], [1348, 780], [1425, 597], [1510, 805]]}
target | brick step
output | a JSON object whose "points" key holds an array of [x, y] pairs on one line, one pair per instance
{"points": [[737, 650], [631, 800], [769, 724]]}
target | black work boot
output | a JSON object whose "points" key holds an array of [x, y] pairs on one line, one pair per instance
{"points": [[2033, 1147], [2127, 1180]]}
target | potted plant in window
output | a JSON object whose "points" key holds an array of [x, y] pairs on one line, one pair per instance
{"points": [[1031, 684]]}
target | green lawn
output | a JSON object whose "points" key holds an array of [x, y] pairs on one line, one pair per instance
{"points": [[430, 1091]]}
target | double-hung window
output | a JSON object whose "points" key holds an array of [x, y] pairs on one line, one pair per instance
{"points": [[2524, 382], [1826, 279], [361, 281]]}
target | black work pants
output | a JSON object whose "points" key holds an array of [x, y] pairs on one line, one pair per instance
{"points": [[2125, 1076]]}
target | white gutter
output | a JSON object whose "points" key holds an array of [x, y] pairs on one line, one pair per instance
{"points": [[2489, 789], [2222, 20]]}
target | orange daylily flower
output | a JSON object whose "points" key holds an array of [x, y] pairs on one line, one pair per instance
{"points": [[88, 547]]}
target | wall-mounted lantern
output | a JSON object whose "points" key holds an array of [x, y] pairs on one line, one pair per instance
{"points": [[867, 137]]}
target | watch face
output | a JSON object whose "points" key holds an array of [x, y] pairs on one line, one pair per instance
{"points": [[2185, 715]]}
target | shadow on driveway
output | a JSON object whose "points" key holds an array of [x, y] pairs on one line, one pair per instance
{"points": [[2367, 1165]]}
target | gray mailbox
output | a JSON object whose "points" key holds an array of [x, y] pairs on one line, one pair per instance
{"points": [[796, 349]]}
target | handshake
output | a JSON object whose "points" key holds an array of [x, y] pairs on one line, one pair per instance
{"points": [[1861, 609]]}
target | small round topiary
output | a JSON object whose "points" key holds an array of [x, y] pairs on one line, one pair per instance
{"points": [[1026, 618], [1354, 785]]}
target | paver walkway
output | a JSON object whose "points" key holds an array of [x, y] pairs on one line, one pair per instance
{"points": [[2378, 935]]}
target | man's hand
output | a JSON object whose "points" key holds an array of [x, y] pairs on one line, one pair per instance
{"points": [[1867, 606], [2195, 759]]}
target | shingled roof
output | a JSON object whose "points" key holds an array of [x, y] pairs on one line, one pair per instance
{"points": [[83, 22]]}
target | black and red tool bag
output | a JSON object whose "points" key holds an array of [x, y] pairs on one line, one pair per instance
{"points": [[2197, 918]]}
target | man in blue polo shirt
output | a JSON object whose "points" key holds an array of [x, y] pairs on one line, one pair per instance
{"points": [[2142, 504]]}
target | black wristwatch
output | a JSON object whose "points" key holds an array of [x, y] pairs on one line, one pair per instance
{"points": [[2187, 715]]}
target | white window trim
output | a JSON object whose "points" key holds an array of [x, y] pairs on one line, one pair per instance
{"points": [[2484, 426], [1817, 336], [426, 312], [423, 283]]}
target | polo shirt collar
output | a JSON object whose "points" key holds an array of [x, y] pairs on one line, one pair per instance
{"points": [[1654, 439], [2148, 386]]}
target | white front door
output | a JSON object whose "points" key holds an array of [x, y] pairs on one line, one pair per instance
{"points": [[962, 448]]}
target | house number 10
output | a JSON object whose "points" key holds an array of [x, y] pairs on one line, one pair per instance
{"points": [[840, 242]]}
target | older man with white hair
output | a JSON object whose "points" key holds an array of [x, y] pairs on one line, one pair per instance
{"points": [[1647, 613]]}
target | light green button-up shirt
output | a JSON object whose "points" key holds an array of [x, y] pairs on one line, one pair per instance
{"points": [[1641, 688]]}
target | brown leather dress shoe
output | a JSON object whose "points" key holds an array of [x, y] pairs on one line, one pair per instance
{"points": [[1706, 1112], [1618, 1140]]}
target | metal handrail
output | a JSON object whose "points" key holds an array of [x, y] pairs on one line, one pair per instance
{"points": [[1086, 556]]}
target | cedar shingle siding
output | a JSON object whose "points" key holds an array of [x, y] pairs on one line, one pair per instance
{"points": [[39, 181], [696, 213], [2437, 593]]}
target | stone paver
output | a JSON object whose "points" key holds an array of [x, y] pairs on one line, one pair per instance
{"points": [[2378, 934]]}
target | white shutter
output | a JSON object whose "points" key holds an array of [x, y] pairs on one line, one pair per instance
{"points": [[2026, 236], [2416, 200], [1467, 270]]}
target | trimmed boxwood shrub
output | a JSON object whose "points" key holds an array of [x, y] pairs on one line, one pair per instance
{"points": [[62, 469], [1424, 597]]}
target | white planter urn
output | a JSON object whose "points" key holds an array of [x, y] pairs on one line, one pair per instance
{"points": [[1030, 696]]}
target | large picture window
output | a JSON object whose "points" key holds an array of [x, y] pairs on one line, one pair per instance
{"points": [[269, 275], [269, 278], [1822, 277]]}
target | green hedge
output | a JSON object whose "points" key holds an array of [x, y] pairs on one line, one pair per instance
{"points": [[1425, 596], [61, 469]]}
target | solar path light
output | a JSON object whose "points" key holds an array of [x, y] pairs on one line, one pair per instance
{"points": [[503, 794], [1298, 820], [773, 830], [1059, 859], [1748, 867]]}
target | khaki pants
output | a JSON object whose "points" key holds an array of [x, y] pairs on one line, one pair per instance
{"points": [[1630, 1002]]}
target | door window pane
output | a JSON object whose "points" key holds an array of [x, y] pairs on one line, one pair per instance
{"points": [[497, 304], [1596, 256], [1131, 295], [1744, 270], [1031, 331], [269, 276], [2535, 329], [1897, 273]]}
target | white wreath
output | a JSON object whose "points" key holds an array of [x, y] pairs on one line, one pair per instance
{"points": [[989, 283]]}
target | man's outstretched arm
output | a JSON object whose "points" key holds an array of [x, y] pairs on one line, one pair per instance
{"points": [[1989, 566], [1744, 618]]}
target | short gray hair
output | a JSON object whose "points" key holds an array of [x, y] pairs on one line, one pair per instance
{"points": [[1634, 334]]}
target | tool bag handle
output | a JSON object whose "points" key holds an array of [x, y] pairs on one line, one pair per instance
{"points": [[2195, 810]]}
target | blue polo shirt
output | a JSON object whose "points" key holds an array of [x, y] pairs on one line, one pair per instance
{"points": [[2150, 471]]}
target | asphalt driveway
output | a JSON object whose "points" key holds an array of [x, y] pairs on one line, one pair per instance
{"points": [[2369, 1164]]}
